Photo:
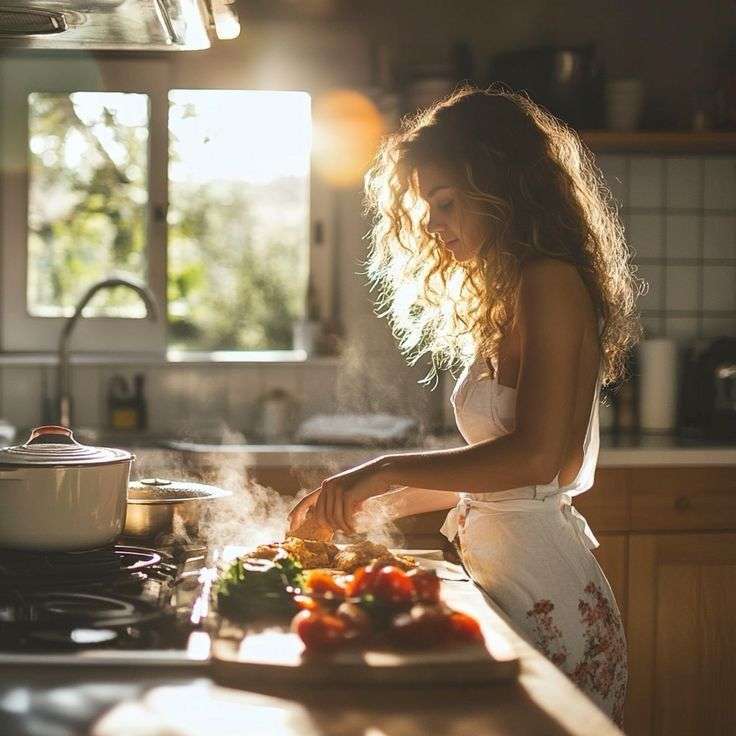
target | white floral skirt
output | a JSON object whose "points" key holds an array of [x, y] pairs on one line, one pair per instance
{"points": [[533, 559]]}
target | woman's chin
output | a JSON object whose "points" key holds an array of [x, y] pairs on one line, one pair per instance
{"points": [[462, 255]]}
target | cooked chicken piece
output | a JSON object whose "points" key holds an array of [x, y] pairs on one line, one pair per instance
{"points": [[364, 553], [310, 553], [265, 551], [310, 528]]}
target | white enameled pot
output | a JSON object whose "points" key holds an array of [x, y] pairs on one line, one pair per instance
{"points": [[56, 494]]}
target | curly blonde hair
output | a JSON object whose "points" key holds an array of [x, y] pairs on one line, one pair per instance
{"points": [[537, 184]]}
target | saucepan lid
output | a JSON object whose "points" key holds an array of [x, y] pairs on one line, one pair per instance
{"points": [[52, 446], [163, 491]]}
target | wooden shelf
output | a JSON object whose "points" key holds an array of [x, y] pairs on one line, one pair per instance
{"points": [[640, 141]]}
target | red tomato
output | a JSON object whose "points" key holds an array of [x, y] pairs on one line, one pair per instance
{"points": [[319, 630], [362, 581], [426, 585], [358, 622], [393, 585], [422, 626], [465, 628], [319, 582]]}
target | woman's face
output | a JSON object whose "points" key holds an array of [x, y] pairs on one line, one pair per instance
{"points": [[461, 230]]}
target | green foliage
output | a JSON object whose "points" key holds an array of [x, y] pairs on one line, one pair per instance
{"points": [[237, 255]]}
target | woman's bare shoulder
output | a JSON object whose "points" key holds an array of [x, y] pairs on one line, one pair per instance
{"points": [[553, 275], [553, 288]]}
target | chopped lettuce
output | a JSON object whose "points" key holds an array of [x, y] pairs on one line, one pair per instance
{"points": [[251, 589]]}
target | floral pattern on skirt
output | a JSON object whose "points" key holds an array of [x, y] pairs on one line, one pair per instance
{"points": [[602, 671]]}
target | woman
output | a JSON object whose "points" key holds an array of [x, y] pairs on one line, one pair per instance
{"points": [[494, 245]]}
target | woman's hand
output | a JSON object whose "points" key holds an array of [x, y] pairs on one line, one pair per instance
{"points": [[342, 495], [335, 502], [302, 507]]}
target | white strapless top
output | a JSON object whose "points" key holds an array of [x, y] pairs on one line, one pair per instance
{"points": [[484, 409]]}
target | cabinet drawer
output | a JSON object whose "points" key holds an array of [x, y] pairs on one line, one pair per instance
{"points": [[606, 504], [683, 499]]}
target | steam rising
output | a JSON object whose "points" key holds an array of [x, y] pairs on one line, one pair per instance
{"points": [[366, 382]]}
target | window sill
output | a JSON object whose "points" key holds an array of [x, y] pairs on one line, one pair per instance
{"points": [[175, 357]]}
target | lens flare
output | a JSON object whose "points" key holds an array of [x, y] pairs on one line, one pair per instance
{"points": [[347, 130]]}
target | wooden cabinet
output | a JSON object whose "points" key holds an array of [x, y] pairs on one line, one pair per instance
{"points": [[668, 547], [682, 634]]}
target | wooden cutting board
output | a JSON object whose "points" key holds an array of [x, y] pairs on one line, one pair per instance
{"points": [[278, 657], [242, 657]]}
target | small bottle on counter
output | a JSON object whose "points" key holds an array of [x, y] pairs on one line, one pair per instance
{"points": [[127, 409]]}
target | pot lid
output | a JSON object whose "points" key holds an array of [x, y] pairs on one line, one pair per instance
{"points": [[58, 447], [160, 490]]}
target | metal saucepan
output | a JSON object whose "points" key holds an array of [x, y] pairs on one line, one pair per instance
{"points": [[56, 494], [157, 506]]}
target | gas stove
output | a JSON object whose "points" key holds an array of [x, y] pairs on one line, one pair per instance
{"points": [[122, 603]]}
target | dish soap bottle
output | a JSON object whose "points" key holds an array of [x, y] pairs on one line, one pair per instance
{"points": [[127, 409]]}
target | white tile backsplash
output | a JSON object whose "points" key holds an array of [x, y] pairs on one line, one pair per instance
{"points": [[245, 386], [720, 183], [87, 396], [21, 395], [719, 326], [653, 325], [683, 234], [680, 219], [719, 288], [614, 172], [646, 181], [719, 236], [681, 328], [682, 287], [654, 297], [645, 235], [684, 182]]}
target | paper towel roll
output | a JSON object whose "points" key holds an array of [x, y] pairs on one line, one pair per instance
{"points": [[657, 385]]}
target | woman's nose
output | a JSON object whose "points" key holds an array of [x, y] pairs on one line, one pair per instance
{"points": [[435, 226]]}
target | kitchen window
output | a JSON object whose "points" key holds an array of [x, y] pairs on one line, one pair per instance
{"points": [[204, 194], [238, 218]]}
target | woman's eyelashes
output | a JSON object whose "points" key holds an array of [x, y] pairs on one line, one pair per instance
{"points": [[446, 206]]}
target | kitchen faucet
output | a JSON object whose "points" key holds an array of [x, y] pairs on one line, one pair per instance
{"points": [[64, 403]]}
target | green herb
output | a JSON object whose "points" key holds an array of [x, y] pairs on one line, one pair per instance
{"points": [[251, 589]]}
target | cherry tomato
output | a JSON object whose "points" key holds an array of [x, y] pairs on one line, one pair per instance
{"points": [[358, 622], [426, 585], [465, 628], [393, 585], [362, 581], [319, 582], [423, 626], [319, 630]]}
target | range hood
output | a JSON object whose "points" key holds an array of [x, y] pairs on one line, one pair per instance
{"points": [[115, 25]]}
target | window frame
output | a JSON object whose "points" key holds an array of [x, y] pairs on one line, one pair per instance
{"points": [[22, 332]]}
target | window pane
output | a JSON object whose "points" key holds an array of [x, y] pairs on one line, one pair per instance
{"points": [[87, 203], [238, 217]]}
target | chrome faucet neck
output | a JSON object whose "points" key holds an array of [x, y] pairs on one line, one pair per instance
{"points": [[63, 387]]}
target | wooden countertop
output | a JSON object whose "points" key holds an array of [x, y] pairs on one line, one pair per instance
{"points": [[118, 701]]}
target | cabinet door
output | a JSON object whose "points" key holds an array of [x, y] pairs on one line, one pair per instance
{"points": [[682, 635]]}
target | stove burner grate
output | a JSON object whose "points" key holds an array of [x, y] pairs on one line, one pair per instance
{"points": [[20, 570], [62, 619]]}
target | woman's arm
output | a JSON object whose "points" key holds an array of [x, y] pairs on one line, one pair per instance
{"points": [[552, 304], [407, 501]]}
